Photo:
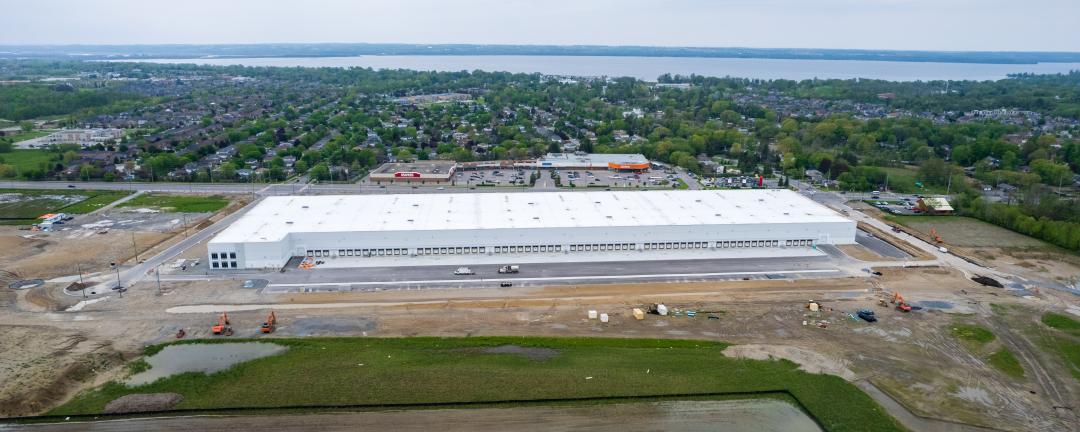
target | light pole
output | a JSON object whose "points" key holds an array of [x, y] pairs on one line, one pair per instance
{"points": [[157, 274]]}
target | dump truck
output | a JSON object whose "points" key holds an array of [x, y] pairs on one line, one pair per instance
{"points": [[509, 269]]}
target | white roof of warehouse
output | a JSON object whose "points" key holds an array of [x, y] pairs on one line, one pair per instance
{"points": [[572, 159], [277, 216]]}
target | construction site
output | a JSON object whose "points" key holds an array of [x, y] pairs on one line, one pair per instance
{"points": [[889, 313]]}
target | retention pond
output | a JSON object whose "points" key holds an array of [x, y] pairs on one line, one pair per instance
{"points": [[205, 358]]}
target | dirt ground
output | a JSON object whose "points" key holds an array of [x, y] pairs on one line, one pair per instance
{"points": [[910, 356], [997, 247], [52, 254], [41, 366]]}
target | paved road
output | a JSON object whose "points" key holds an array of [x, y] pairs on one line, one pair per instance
{"points": [[540, 273], [879, 246]]}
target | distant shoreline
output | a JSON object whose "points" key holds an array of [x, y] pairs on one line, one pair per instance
{"points": [[202, 52]]}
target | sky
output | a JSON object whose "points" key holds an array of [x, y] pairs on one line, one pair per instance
{"points": [[939, 25]]}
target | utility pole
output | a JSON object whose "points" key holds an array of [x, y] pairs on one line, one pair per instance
{"points": [[157, 273], [134, 247], [119, 288], [78, 267]]}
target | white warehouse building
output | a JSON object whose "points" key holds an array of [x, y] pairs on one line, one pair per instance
{"points": [[559, 226]]}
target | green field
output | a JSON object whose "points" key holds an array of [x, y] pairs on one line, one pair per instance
{"points": [[1004, 360], [1061, 322], [23, 136], [355, 371], [179, 203], [1066, 341], [903, 180], [27, 159], [968, 232], [972, 333], [24, 206]]}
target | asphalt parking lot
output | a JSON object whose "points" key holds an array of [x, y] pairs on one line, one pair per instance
{"points": [[498, 177], [610, 179]]}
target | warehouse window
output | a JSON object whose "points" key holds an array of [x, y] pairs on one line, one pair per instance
{"points": [[558, 248], [348, 252], [214, 264], [232, 255], [341, 252], [318, 254], [232, 264], [573, 248], [213, 255]]}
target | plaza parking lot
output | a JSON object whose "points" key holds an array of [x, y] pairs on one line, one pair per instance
{"points": [[612, 179], [493, 177]]}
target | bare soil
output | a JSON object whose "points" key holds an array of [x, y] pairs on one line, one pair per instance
{"points": [[911, 356], [50, 255], [40, 366]]}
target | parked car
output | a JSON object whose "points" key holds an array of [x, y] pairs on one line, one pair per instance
{"points": [[867, 315], [461, 271]]}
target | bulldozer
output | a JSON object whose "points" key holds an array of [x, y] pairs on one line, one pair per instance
{"points": [[222, 327], [268, 325], [901, 305], [934, 235]]}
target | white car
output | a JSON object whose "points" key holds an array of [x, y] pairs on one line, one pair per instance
{"points": [[463, 271], [440, 188]]}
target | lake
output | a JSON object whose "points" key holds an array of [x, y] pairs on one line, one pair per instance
{"points": [[649, 68]]}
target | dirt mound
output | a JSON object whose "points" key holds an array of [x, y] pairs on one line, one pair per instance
{"points": [[40, 366], [808, 361], [534, 354], [142, 402], [988, 281]]}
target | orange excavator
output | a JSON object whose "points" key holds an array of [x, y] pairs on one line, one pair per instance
{"points": [[901, 305], [268, 325], [222, 327], [934, 235]]}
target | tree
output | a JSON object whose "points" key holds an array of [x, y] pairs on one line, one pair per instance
{"points": [[320, 172], [1050, 172], [553, 147]]}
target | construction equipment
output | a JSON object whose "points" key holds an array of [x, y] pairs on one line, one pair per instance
{"points": [[901, 305], [180, 334], [222, 327], [268, 325], [934, 235], [896, 228], [867, 315]]}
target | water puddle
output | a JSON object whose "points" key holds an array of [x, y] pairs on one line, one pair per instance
{"points": [[935, 304], [205, 358]]}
